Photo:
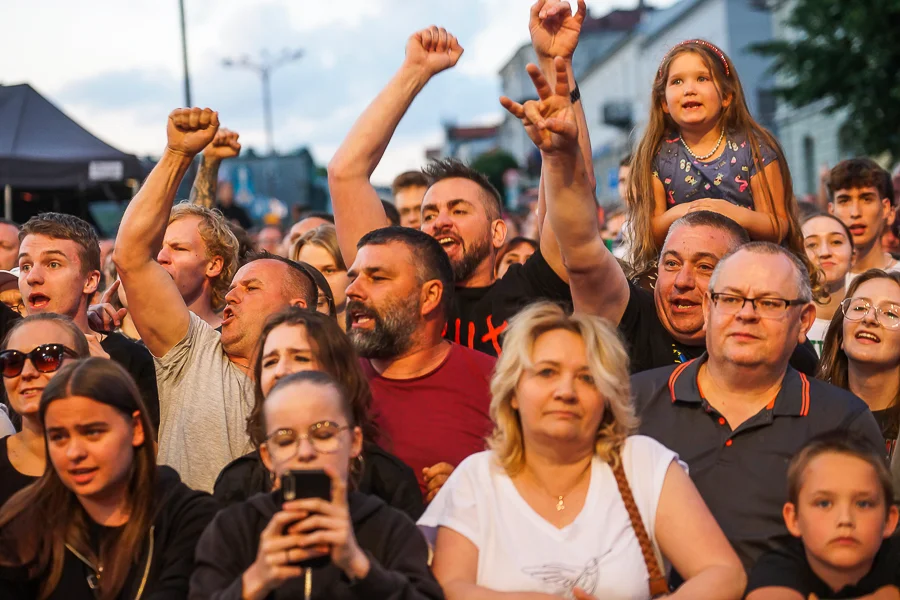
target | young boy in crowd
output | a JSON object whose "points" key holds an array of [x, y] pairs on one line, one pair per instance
{"points": [[840, 507], [862, 197]]}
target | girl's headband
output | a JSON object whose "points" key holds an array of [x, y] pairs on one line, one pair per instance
{"points": [[712, 47]]}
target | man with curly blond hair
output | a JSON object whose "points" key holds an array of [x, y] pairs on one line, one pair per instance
{"points": [[200, 253]]}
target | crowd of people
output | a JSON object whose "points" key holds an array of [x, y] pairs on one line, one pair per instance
{"points": [[695, 397]]}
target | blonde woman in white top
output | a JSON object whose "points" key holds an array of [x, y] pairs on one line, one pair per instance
{"points": [[543, 514], [829, 245]]}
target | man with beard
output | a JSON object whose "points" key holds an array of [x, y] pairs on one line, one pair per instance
{"points": [[430, 396], [205, 392], [461, 209]]}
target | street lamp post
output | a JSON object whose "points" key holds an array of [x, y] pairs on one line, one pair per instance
{"points": [[264, 69]]}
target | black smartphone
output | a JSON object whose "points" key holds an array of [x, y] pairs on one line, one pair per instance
{"points": [[299, 485]]}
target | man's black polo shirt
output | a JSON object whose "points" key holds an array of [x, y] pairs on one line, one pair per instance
{"points": [[742, 474], [651, 346]]}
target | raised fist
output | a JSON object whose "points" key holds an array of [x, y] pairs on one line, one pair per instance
{"points": [[433, 49], [224, 145], [190, 130], [550, 120], [554, 29]]}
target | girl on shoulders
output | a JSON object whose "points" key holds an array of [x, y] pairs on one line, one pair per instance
{"points": [[702, 150]]}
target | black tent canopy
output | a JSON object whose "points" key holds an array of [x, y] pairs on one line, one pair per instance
{"points": [[42, 148]]}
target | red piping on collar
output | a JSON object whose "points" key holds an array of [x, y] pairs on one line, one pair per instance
{"points": [[675, 375]]}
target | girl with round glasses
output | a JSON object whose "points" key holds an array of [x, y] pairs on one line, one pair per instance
{"points": [[253, 550], [33, 351], [103, 522], [862, 348]]}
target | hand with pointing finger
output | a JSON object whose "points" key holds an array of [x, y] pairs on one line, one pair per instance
{"points": [[550, 120], [103, 317], [433, 50]]}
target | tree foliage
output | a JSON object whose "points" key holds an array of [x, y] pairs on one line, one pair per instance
{"points": [[848, 53], [494, 164]]}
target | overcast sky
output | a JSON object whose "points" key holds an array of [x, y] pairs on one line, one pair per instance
{"points": [[115, 65]]}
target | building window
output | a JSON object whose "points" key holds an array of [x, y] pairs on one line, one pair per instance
{"points": [[809, 164]]}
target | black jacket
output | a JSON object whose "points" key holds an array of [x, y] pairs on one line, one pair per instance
{"points": [[167, 556], [395, 547], [384, 475]]}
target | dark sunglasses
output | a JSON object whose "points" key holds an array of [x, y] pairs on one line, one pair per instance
{"points": [[46, 359]]}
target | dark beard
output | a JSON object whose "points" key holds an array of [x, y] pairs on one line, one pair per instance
{"points": [[392, 334], [471, 259]]}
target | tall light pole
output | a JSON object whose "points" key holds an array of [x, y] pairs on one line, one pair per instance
{"points": [[184, 57], [264, 69]]}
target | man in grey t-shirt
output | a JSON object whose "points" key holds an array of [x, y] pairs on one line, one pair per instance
{"points": [[205, 393]]}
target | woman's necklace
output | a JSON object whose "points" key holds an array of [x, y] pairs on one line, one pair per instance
{"points": [[560, 504], [711, 152]]}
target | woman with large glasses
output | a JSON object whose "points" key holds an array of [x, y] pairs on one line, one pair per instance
{"points": [[862, 348], [301, 340], [103, 521], [33, 351], [253, 550]]}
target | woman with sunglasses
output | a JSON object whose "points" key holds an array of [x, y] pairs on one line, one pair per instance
{"points": [[862, 348], [33, 351], [253, 550], [103, 521], [301, 340]]}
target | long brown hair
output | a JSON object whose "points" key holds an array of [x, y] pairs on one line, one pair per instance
{"points": [[734, 118], [833, 364], [335, 355], [38, 522]]}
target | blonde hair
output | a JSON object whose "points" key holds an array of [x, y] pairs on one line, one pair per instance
{"points": [[219, 240], [608, 365], [735, 118], [325, 237]]}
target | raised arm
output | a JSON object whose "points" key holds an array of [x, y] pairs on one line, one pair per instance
{"points": [[598, 284], [159, 312], [224, 146], [554, 33], [357, 208]]}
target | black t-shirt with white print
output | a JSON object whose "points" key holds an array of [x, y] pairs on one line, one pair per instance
{"points": [[479, 316], [789, 568]]}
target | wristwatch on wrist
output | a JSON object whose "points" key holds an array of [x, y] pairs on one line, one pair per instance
{"points": [[575, 95]]}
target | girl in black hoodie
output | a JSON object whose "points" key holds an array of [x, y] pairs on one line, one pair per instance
{"points": [[250, 551], [103, 521]]}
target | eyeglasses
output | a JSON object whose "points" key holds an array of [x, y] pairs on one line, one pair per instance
{"points": [[46, 359], [856, 309], [767, 308], [323, 436]]}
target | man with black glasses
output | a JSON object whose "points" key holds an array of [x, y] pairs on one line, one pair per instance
{"points": [[738, 413]]}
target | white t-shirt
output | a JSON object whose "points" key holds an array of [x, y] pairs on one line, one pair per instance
{"points": [[816, 334], [204, 400], [518, 551], [893, 268]]}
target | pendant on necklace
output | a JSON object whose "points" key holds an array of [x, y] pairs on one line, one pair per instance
{"points": [[559, 504]]}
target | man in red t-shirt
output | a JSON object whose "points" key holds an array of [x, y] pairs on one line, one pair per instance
{"points": [[430, 397]]}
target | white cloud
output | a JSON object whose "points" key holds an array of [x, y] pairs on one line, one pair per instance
{"points": [[405, 154]]}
